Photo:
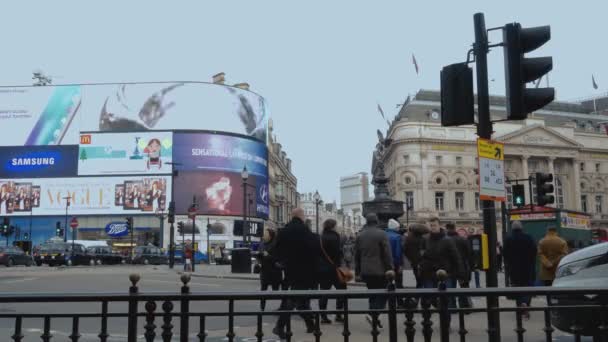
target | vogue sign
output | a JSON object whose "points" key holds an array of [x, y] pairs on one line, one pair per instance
{"points": [[117, 229]]}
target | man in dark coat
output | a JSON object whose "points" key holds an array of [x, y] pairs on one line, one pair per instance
{"points": [[464, 250], [298, 250], [331, 257], [519, 252], [412, 247]]}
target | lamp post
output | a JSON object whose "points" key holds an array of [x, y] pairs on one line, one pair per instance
{"points": [[171, 215], [192, 214], [317, 199], [244, 177], [161, 216], [65, 230]]}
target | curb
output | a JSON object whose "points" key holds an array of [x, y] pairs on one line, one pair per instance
{"points": [[235, 277]]}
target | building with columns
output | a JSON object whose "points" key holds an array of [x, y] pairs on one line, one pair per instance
{"points": [[433, 168], [354, 190], [282, 182]]}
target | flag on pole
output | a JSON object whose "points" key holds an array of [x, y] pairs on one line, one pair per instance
{"points": [[415, 64], [593, 82], [381, 111]]}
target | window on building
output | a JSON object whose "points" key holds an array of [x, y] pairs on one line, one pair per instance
{"points": [[409, 200], [438, 180], [280, 214], [477, 202], [509, 197], [406, 159], [509, 164], [438, 160], [598, 203], [460, 201], [459, 181], [533, 164], [533, 191], [559, 193], [408, 180], [584, 203], [459, 160], [597, 167], [582, 166], [439, 201]]}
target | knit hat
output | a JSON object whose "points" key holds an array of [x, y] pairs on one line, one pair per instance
{"points": [[393, 224]]}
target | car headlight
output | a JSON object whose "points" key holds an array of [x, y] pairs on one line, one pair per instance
{"points": [[575, 267]]}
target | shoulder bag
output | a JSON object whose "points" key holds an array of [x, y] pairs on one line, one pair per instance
{"points": [[344, 274]]}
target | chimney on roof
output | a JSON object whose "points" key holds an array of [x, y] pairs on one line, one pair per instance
{"points": [[219, 78], [243, 85]]}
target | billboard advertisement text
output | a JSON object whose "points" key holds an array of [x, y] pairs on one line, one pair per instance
{"points": [[38, 161]]}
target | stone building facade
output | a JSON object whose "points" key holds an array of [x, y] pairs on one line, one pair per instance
{"points": [[434, 168]]}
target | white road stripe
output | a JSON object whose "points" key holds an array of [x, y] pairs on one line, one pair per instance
{"points": [[17, 280], [177, 283]]}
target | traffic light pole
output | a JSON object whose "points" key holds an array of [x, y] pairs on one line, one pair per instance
{"points": [[484, 131]]}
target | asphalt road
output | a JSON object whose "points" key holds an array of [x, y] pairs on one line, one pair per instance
{"points": [[99, 280]]}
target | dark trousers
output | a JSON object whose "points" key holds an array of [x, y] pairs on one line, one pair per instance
{"points": [[547, 282], [433, 284], [398, 278], [464, 302], [298, 304], [327, 280], [376, 282], [265, 285]]}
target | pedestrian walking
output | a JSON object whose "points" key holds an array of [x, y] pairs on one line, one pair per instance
{"points": [[466, 258], [271, 274], [188, 258], [551, 249], [520, 260], [499, 260], [412, 248], [330, 259], [395, 241], [439, 253], [372, 260], [298, 251]]}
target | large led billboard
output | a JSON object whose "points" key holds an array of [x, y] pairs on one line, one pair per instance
{"points": [[38, 161], [55, 115], [88, 195], [210, 169], [125, 153]]}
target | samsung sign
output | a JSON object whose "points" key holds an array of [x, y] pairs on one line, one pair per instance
{"points": [[38, 161], [117, 229]]}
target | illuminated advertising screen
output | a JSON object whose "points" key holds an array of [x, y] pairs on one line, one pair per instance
{"points": [[38, 161], [88, 195], [125, 153], [56, 115], [210, 169]]}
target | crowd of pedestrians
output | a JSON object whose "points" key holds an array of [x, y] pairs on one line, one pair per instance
{"points": [[295, 258]]}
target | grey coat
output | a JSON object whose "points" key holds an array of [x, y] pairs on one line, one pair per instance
{"points": [[372, 252]]}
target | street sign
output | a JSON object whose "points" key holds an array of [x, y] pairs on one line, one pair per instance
{"points": [[491, 170], [192, 212], [74, 223]]}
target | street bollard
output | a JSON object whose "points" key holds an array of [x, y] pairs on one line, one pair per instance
{"points": [[132, 315], [184, 309], [392, 306], [444, 314]]}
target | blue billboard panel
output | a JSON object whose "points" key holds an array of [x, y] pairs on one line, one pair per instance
{"points": [[38, 161], [219, 152]]}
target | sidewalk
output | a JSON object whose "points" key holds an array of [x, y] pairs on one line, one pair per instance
{"points": [[223, 272]]}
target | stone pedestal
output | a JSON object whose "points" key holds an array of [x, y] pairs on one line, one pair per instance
{"points": [[382, 205]]}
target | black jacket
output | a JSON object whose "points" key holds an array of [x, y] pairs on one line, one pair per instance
{"points": [[270, 273], [332, 246], [464, 250], [298, 250], [372, 252], [440, 253], [519, 253]]}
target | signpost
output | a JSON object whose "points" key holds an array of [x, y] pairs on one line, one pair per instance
{"points": [[491, 170], [73, 225]]}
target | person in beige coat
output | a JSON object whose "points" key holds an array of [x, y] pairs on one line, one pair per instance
{"points": [[551, 249]]}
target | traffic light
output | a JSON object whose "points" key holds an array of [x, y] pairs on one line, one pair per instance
{"points": [[457, 102], [4, 229], [171, 214], [129, 223], [58, 230], [26, 236], [180, 227], [520, 70], [544, 188], [519, 195]]}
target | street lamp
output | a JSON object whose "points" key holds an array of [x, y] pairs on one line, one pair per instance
{"points": [[244, 176], [192, 214], [171, 215], [317, 199], [65, 230], [160, 213]]}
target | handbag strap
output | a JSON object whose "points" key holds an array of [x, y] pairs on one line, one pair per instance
{"points": [[325, 253]]}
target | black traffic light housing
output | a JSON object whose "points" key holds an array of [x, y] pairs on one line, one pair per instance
{"points": [[457, 99], [180, 227], [520, 70], [129, 223], [4, 229], [519, 195], [58, 230], [544, 188]]}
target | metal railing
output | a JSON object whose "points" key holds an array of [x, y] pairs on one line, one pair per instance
{"points": [[158, 309]]}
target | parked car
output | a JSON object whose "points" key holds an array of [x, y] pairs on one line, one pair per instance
{"points": [[60, 253], [104, 255], [149, 255], [11, 256], [587, 267]]}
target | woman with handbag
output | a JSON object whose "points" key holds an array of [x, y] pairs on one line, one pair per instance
{"points": [[270, 274], [330, 272]]}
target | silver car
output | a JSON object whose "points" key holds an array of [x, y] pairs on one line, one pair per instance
{"points": [[587, 267]]}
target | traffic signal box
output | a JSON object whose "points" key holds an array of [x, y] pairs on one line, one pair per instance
{"points": [[544, 188], [479, 248], [519, 195]]}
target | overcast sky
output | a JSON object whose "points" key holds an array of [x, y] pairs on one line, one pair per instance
{"points": [[322, 65]]}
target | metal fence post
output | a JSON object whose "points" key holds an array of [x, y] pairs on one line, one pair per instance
{"points": [[392, 307], [132, 319], [444, 314], [184, 309]]}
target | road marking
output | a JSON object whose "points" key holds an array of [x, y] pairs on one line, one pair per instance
{"points": [[17, 280], [177, 283]]}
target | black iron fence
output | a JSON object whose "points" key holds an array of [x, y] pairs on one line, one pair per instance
{"points": [[424, 312]]}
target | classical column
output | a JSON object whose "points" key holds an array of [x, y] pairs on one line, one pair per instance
{"points": [[576, 186], [524, 175], [425, 181]]}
